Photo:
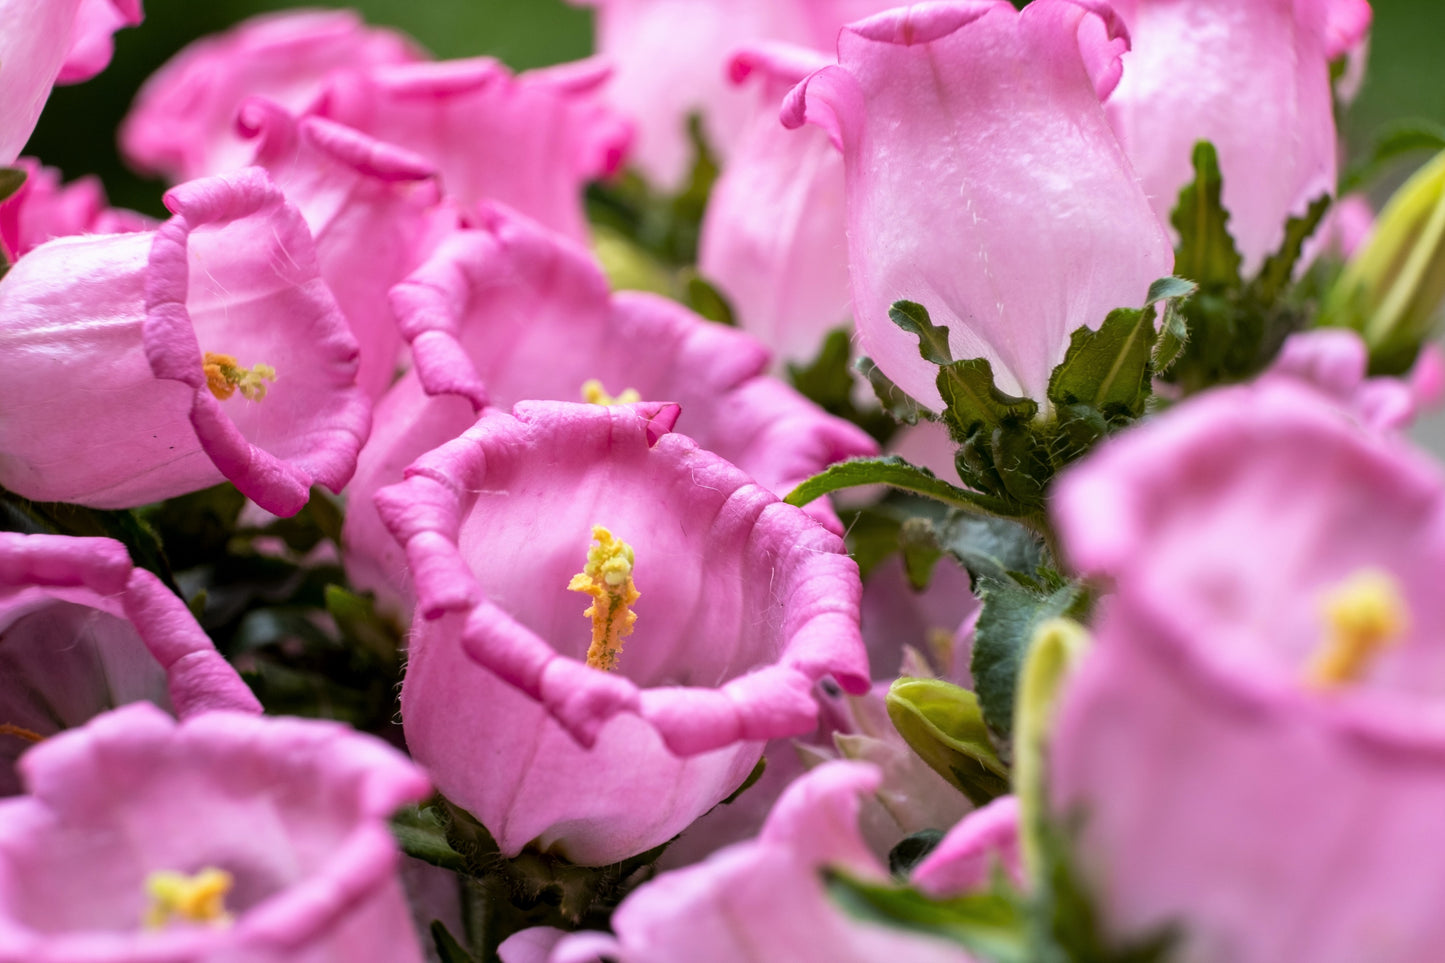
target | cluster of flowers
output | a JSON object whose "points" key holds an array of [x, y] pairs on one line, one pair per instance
{"points": [[649, 703]]}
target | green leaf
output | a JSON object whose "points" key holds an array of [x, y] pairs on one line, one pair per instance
{"points": [[989, 547], [987, 924], [448, 949], [420, 833], [1206, 251], [897, 402], [1170, 289], [11, 180], [359, 622], [828, 381], [1108, 369], [944, 725], [1173, 339], [921, 551], [894, 471], [932, 338], [971, 399], [705, 299], [1011, 613], [1278, 269]]}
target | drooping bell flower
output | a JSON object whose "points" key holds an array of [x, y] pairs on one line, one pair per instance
{"points": [[984, 183], [140, 366], [183, 122], [511, 311], [372, 208], [548, 545], [1237, 73], [45, 42], [222, 837], [774, 236], [672, 55], [765, 898], [531, 141], [1254, 752], [82, 630], [43, 209], [1336, 362]]}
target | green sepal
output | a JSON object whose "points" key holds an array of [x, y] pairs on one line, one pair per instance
{"points": [[1206, 252], [900, 406], [421, 834], [1108, 369], [703, 297], [990, 925], [1278, 268], [943, 724], [972, 399], [1006, 625], [447, 947], [894, 471], [984, 545], [932, 338], [921, 551]]}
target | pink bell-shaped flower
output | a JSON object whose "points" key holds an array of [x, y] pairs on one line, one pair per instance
{"points": [[581, 749], [45, 42], [84, 631], [774, 237], [223, 837], [183, 122], [531, 141], [1236, 73], [984, 183], [1255, 748], [135, 367], [43, 209]]}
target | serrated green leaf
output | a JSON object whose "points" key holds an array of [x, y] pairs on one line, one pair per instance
{"points": [[1006, 625], [972, 399], [1170, 289], [1206, 253], [448, 949], [1108, 368], [989, 547], [898, 403], [893, 471], [943, 724], [1278, 269], [1173, 339], [932, 338], [989, 925]]}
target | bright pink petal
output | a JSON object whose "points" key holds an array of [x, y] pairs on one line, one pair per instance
{"points": [[1335, 361], [1004, 207], [96, 22], [43, 209]]}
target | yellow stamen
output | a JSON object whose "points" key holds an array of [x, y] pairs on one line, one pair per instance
{"points": [[19, 732], [1363, 615], [594, 394], [176, 897], [607, 577], [224, 375]]}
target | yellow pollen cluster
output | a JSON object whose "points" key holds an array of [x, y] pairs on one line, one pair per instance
{"points": [[176, 897], [224, 375], [607, 577], [594, 394], [1363, 615]]}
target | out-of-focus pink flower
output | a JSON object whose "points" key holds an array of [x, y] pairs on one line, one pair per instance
{"points": [[530, 141], [513, 312], [183, 122], [745, 603], [372, 208], [774, 238], [223, 837], [765, 899], [1336, 361], [1006, 208], [84, 631], [1256, 746], [966, 858], [141, 366], [1237, 73], [44, 42], [672, 56], [44, 209]]}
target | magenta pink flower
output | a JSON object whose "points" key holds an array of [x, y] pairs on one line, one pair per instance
{"points": [[373, 209], [223, 837], [514, 312], [1268, 70], [85, 631], [530, 141], [1256, 747], [1335, 361], [764, 899], [44, 209], [44, 42], [140, 366], [183, 122], [1004, 207], [672, 62], [774, 238], [745, 603]]}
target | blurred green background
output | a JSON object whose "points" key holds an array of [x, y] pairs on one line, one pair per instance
{"points": [[1406, 76]]}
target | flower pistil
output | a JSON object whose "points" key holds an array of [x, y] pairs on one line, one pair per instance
{"points": [[1364, 615], [607, 577], [178, 897], [224, 375]]}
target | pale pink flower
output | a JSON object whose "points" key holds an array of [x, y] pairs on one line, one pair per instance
{"points": [[1004, 207], [1336, 362]]}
